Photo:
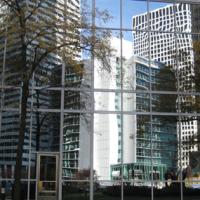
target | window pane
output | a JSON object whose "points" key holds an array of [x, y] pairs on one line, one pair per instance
{"points": [[164, 103], [76, 146], [112, 9], [78, 100], [11, 98], [9, 141], [131, 10], [107, 71], [107, 190], [107, 101], [45, 131], [46, 99], [75, 190], [161, 16], [107, 143]]}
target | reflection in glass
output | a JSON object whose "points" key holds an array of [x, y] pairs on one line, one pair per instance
{"points": [[8, 144], [75, 190], [46, 99], [132, 8], [108, 101], [110, 77], [77, 100], [107, 144], [107, 190], [161, 16], [164, 103], [185, 67], [45, 131], [47, 163], [7, 186], [46, 76], [76, 146], [141, 148], [163, 45], [139, 73], [159, 150], [146, 129], [78, 74], [110, 17], [47, 175], [189, 141], [45, 136], [11, 98]]}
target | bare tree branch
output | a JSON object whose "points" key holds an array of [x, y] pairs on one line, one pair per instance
{"points": [[33, 10]]}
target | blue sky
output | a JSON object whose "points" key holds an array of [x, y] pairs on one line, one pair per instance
{"points": [[130, 8]]}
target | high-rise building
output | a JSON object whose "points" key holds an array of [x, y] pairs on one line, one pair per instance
{"points": [[77, 127], [173, 47], [107, 150], [116, 142], [42, 128], [161, 137], [195, 10]]}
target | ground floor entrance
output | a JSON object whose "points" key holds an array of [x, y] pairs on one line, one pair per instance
{"points": [[47, 176]]}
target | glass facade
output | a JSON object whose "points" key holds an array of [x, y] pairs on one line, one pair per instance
{"points": [[112, 99]]}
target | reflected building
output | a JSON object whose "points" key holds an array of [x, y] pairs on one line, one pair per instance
{"points": [[77, 126], [174, 50], [155, 133], [42, 127], [195, 19], [108, 127], [128, 138], [195, 10]]}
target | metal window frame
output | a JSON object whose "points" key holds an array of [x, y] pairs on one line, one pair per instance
{"points": [[62, 111]]}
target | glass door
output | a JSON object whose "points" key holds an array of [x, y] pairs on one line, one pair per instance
{"points": [[47, 176]]}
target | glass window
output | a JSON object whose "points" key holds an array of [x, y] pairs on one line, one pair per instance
{"points": [[100, 99]]}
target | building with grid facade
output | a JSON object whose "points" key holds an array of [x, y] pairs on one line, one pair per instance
{"points": [[42, 129], [76, 136], [163, 137], [174, 49], [133, 146], [103, 132]]}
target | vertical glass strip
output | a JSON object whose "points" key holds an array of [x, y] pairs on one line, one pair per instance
{"points": [[150, 99], [177, 67], [92, 102]]}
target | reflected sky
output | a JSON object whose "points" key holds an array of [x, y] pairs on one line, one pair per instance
{"points": [[130, 8]]}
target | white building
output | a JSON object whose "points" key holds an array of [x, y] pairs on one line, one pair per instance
{"points": [[162, 44], [110, 128], [107, 136]]}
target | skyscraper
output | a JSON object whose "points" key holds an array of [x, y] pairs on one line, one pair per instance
{"points": [[127, 144], [161, 137], [42, 128], [107, 138], [173, 47]]}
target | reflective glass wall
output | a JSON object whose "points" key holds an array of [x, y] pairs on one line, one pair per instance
{"points": [[113, 115]]}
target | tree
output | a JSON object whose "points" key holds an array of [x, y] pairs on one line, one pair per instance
{"points": [[195, 100], [41, 32], [84, 174], [167, 80]]}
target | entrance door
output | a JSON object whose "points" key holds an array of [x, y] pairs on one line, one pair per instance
{"points": [[47, 176]]}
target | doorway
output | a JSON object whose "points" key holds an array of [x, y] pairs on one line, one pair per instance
{"points": [[47, 176]]}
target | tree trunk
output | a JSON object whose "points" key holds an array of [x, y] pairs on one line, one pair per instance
{"points": [[38, 123], [19, 153]]}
